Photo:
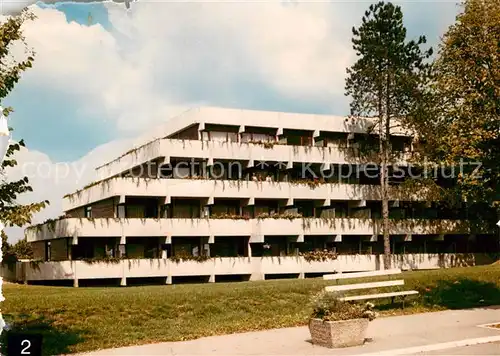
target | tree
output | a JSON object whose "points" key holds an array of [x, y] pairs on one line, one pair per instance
{"points": [[465, 130], [11, 212], [384, 83], [12, 253]]}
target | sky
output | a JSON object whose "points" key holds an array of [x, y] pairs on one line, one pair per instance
{"points": [[104, 74]]}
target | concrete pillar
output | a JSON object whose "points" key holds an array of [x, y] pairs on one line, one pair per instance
{"points": [[123, 282], [257, 277], [68, 246], [75, 282], [302, 275], [211, 279], [122, 247], [241, 130], [168, 280]]}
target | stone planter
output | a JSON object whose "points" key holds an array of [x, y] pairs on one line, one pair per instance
{"points": [[336, 334]]}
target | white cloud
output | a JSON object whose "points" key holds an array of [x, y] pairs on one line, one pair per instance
{"points": [[161, 53], [52, 180], [10, 7], [298, 50], [85, 61], [163, 57]]}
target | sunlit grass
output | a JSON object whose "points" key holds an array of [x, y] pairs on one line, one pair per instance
{"points": [[83, 319]]}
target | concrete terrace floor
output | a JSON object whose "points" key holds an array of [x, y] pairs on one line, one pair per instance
{"points": [[408, 335]]}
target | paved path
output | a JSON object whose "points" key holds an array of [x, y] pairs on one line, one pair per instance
{"points": [[483, 349], [403, 335]]}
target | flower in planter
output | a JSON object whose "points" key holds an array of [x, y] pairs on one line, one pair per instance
{"points": [[335, 323], [369, 313], [328, 307]]}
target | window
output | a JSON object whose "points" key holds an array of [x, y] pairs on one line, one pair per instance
{"points": [[47, 251], [88, 211], [121, 211], [166, 171], [219, 136]]}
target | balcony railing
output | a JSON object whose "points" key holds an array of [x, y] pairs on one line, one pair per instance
{"points": [[234, 151], [236, 189], [256, 229], [254, 266]]}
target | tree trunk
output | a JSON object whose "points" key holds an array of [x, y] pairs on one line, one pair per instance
{"points": [[384, 179], [384, 182], [385, 174]]}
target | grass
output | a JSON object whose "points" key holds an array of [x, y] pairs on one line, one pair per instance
{"points": [[84, 319]]}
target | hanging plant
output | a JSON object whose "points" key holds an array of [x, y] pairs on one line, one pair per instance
{"points": [[267, 144], [51, 224], [107, 260], [186, 257], [319, 256], [229, 216], [285, 215], [312, 183], [78, 192]]}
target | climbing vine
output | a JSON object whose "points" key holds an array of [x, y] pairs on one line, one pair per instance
{"points": [[229, 216], [107, 260], [186, 257], [319, 256], [285, 215]]}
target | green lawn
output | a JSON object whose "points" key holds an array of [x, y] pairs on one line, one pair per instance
{"points": [[83, 319]]}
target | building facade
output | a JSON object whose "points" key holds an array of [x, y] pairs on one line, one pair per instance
{"points": [[224, 194]]}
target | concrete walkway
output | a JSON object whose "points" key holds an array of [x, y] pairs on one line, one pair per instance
{"points": [[430, 333]]}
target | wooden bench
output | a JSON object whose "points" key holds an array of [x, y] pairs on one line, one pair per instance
{"points": [[370, 285]]}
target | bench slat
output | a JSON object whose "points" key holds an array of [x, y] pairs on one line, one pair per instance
{"points": [[361, 274], [344, 287], [380, 295]]}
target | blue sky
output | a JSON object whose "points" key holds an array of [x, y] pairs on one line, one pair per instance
{"points": [[98, 81], [49, 121], [83, 13]]}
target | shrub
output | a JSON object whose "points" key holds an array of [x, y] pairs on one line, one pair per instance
{"points": [[320, 256], [328, 307]]}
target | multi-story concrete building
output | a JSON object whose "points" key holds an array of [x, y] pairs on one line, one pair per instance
{"points": [[237, 194]]}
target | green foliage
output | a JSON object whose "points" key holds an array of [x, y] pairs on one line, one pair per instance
{"points": [[11, 212], [387, 83], [328, 307], [106, 259], [13, 253], [390, 70], [229, 216], [465, 105], [285, 215], [75, 320], [186, 257], [319, 256]]}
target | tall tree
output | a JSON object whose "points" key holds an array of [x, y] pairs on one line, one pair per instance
{"points": [[11, 212], [384, 83], [465, 130]]}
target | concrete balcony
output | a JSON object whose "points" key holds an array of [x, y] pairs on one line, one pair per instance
{"points": [[256, 229], [233, 151], [242, 189], [254, 267]]}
